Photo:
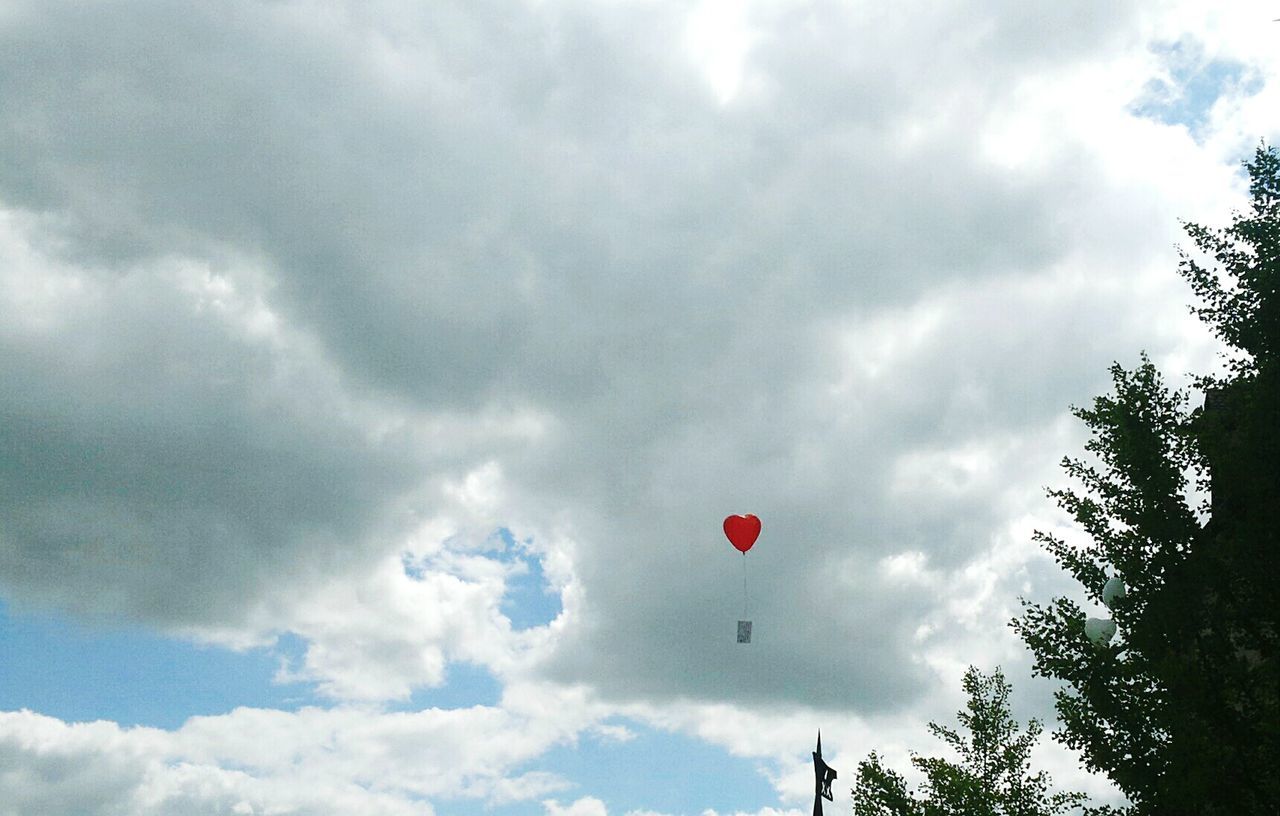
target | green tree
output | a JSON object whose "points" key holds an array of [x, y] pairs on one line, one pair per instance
{"points": [[992, 779], [1181, 712]]}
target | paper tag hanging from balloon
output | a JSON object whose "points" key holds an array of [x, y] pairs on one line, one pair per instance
{"points": [[744, 631]]}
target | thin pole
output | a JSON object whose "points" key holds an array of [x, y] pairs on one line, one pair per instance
{"points": [[744, 585]]}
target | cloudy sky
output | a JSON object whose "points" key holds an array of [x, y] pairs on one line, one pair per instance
{"points": [[376, 377]]}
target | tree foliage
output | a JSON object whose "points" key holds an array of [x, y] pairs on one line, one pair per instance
{"points": [[993, 777], [1181, 712]]}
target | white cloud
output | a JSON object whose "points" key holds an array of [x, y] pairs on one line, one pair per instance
{"points": [[99, 768], [586, 806], [313, 760], [718, 38]]}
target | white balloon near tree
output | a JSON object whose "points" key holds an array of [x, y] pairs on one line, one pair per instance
{"points": [[1112, 591], [1100, 630]]}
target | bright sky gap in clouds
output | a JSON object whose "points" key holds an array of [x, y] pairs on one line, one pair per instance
{"points": [[377, 376]]}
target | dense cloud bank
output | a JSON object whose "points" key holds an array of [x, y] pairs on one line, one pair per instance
{"points": [[305, 300]]}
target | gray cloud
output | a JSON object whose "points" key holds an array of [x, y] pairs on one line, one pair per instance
{"points": [[461, 209], [156, 463], [63, 781]]}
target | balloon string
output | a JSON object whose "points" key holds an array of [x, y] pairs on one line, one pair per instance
{"points": [[744, 585]]}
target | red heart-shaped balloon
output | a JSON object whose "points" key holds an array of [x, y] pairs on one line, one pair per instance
{"points": [[742, 531]]}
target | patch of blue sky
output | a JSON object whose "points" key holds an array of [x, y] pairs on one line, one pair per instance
{"points": [[1193, 85], [63, 669], [529, 600], [659, 771]]}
